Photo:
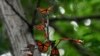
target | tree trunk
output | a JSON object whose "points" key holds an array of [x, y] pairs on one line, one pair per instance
{"points": [[16, 28]]}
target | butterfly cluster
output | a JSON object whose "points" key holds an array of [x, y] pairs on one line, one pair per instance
{"points": [[48, 45], [44, 47]]}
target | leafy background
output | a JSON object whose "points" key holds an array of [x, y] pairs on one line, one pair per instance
{"points": [[89, 34]]}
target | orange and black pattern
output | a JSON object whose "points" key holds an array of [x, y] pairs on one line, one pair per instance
{"points": [[54, 52], [43, 47], [44, 10]]}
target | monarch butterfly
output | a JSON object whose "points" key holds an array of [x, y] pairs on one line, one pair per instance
{"points": [[40, 27], [44, 10], [73, 40], [54, 51], [76, 41], [43, 47]]}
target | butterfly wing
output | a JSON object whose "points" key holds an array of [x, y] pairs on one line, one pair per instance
{"points": [[40, 45], [40, 27], [44, 10], [38, 42], [46, 46], [54, 52], [47, 43]]}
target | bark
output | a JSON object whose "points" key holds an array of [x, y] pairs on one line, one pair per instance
{"points": [[16, 28]]}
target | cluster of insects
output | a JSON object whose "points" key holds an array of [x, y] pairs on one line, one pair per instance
{"points": [[48, 45]]}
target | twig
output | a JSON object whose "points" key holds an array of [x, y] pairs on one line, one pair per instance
{"points": [[76, 18], [78, 47], [67, 18], [47, 27]]}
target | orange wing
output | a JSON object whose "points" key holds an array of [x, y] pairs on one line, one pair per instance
{"points": [[78, 41], [40, 45], [44, 10], [46, 46], [43, 47], [47, 43], [54, 52], [40, 27]]}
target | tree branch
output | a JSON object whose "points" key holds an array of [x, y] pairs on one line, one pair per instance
{"points": [[76, 18], [83, 51], [67, 18], [78, 47], [16, 28], [21, 17]]}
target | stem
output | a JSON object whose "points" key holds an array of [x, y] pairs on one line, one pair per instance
{"points": [[47, 27], [83, 51], [73, 18]]}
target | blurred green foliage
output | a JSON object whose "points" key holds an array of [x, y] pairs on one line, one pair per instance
{"points": [[4, 42], [89, 34]]}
